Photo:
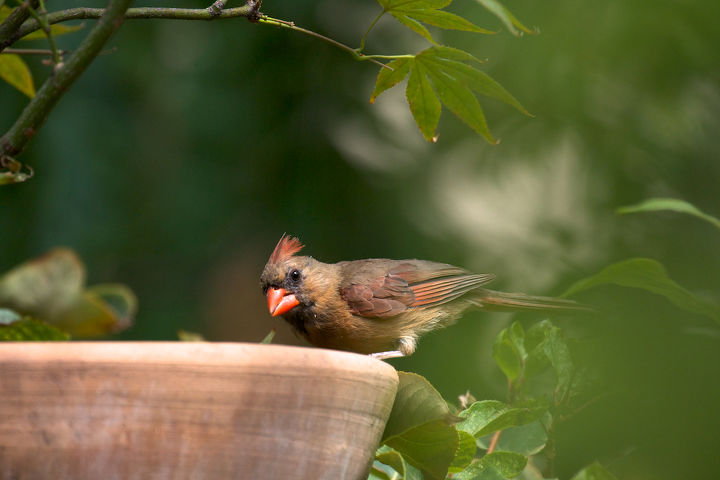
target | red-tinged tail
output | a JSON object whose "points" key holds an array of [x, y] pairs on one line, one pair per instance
{"points": [[512, 302]]}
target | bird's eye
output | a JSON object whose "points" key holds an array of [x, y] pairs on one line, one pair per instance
{"points": [[295, 275]]}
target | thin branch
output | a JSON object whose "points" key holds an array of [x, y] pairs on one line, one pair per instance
{"points": [[81, 13], [12, 23], [493, 442], [63, 76], [355, 53], [367, 32]]}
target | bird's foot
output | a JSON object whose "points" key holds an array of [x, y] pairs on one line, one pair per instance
{"points": [[385, 355]]}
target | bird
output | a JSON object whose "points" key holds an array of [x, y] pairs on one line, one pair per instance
{"points": [[379, 307]]}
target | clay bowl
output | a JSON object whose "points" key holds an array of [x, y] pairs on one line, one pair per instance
{"points": [[129, 410]]}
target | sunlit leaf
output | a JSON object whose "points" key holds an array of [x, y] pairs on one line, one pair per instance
{"points": [[423, 102], [512, 23], [185, 336], [458, 98], [594, 472], [671, 204], [412, 12], [445, 61], [15, 71], [649, 275], [29, 329], [488, 416], [389, 78], [51, 288]]}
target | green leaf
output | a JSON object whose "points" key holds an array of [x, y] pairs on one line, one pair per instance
{"points": [[412, 12], [29, 329], [672, 204], [458, 98], [495, 466], [649, 275], [509, 464], [465, 452], [185, 336], [416, 402], [418, 426], [527, 439], [488, 416], [477, 80], [512, 23], [424, 105], [388, 78], [15, 71], [430, 447], [269, 337], [55, 30], [558, 353], [594, 472], [393, 459], [507, 354], [52, 288]]}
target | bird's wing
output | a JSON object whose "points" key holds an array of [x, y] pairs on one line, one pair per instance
{"points": [[372, 292]]}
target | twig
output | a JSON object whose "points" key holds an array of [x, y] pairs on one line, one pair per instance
{"points": [[37, 110], [493, 442], [13, 22], [355, 53]]}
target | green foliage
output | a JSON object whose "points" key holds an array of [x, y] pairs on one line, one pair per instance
{"points": [[444, 75], [424, 433], [413, 13], [15, 328], [16, 73], [670, 204], [594, 472], [649, 275], [52, 288], [511, 23]]}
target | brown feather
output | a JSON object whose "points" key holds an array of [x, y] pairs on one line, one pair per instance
{"points": [[285, 248]]}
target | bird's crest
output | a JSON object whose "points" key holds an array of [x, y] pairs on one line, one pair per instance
{"points": [[285, 248]]}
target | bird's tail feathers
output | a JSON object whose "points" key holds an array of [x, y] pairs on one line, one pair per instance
{"points": [[511, 302]]}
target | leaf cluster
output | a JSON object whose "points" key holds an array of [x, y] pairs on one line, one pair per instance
{"points": [[46, 299]]}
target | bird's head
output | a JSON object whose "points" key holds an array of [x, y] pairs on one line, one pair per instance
{"points": [[284, 280]]}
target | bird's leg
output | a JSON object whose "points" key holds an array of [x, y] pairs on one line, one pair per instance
{"points": [[406, 346], [389, 354]]}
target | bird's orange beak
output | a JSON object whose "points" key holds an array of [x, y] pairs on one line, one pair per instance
{"points": [[279, 301]]}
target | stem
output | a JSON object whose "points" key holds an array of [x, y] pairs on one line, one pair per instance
{"points": [[12, 23], [291, 26], [37, 110], [33, 51], [493, 442], [362, 40], [81, 13], [41, 18]]}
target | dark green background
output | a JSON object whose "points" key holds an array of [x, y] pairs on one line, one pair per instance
{"points": [[175, 164]]}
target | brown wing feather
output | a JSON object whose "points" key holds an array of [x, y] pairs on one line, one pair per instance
{"points": [[409, 284]]}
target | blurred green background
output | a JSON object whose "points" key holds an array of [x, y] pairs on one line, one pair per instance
{"points": [[176, 162]]}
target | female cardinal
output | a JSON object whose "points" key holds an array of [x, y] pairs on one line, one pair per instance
{"points": [[378, 306]]}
